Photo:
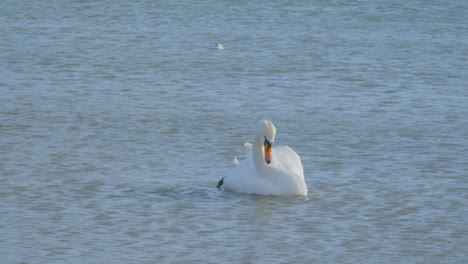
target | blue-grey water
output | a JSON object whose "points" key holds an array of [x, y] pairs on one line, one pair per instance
{"points": [[117, 119]]}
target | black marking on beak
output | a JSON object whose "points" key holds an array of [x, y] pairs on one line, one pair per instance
{"points": [[267, 145]]}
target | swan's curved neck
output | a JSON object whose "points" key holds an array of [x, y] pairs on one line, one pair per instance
{"points": [[265, 135], [258, 155]]}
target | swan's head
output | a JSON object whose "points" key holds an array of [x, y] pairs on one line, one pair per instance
{"points": [[266, 132]]}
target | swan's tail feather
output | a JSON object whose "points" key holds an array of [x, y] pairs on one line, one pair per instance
{"points": [[234, 163], [220, 183]]}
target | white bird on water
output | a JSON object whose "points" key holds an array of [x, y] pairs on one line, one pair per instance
{"points": [[219, 46], [268, 170]]}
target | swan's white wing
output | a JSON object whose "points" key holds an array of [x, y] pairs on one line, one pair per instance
{"points": [[288, 160]]}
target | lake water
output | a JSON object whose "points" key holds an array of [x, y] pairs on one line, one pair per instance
{"points": [[117, 119]]}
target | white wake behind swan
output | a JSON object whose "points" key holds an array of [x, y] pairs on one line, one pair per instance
{"points": [[267, 171]]}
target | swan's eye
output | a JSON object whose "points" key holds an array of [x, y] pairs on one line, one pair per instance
{"points": [[266, 142]]}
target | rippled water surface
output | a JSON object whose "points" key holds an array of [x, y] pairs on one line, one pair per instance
{"points": [[117, 118]]}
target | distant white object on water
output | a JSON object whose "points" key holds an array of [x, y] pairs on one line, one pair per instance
{"points": [[219, 46]]}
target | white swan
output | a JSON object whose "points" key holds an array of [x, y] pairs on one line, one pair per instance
{"points": [[219, 46], [267, 171]]}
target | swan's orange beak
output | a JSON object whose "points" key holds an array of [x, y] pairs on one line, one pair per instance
{"points": [[268, 151]]}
